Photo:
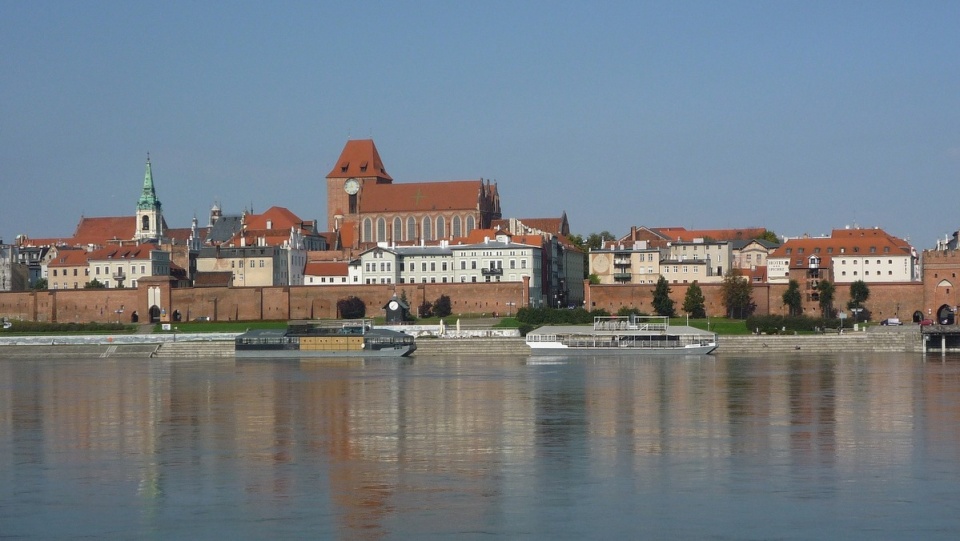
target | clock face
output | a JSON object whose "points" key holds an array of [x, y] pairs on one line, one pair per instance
{"points": [[393, 305], [601, 263], [351, 186]]}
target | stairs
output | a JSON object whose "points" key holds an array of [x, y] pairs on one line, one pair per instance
{"points": [[195, 348], [447, 347]]}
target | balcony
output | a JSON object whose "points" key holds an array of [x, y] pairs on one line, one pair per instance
{"points": [[491, 272], [621, 277], [119, 276]]}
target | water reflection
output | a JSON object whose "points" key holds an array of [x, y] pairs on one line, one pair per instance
{"points": [[472, 447]]}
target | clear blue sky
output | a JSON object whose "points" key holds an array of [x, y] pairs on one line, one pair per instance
{"points": [[795, 116]]}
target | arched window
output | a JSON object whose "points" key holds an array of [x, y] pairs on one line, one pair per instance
{"points": [[441, 227], [411, 228], [396, 234], [146, 223], [471, 224], [427, 229], [381, 229], [367, 230], [457, 231]]}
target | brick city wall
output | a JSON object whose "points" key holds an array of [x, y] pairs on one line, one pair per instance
{"points": [[886, 300], [279, 303]]}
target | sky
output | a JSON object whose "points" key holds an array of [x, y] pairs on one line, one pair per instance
{"points": [[800, 117]]}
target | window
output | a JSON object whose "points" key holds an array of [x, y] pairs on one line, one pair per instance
{"points": [[413, 266], [463, 265], [473, 265], [397, 229], [381, 229], [471, 224], [457, 231], [433, 266], [441, 227], [443, 266], [523, 263], [423, 266], [367, 229], [513, 263], [427, 229]]}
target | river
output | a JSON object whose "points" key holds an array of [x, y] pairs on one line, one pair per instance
{"points": [[719, 447]]}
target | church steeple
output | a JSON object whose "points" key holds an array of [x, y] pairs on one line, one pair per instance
{"points": [[149, 215], [148, 199]]}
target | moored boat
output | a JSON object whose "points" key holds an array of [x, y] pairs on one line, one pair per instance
{"points": [[621, 335], [309, 338]]}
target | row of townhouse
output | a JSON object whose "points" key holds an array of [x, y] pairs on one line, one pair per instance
{"points": [[679, 262], [113, 266], [497, 259]]}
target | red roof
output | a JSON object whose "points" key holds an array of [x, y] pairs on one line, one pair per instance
{"points": [[279, 218], [359, 158], [326, 268], [685, 235], [69, 258], [104, 229], [421, 196]]}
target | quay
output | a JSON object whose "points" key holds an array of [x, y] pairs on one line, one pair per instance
{"points": [[904, 340]]}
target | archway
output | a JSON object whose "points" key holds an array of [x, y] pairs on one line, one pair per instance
{"points": [[134, 317], [945, 315], [154, 314], [917, 316]]}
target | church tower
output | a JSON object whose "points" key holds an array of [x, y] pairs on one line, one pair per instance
{"points": [[149, 215], [359, 165]]}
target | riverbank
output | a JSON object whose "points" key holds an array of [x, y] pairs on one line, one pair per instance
{"points": [[221, 345]]}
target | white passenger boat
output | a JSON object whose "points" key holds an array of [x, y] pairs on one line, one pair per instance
{"points": [[622, 335]]}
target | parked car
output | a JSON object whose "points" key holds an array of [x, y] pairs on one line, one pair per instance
{"points": [[891, 321], [202, 318], [926, 322]]}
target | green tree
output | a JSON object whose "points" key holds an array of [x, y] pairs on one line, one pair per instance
{"points": [[662, 303], [769, 236], [94, 284], [826, 291], [594, 279], [351, 308], [735, 291], [441, 306], [40, 284], [859, 293], [792, 298], [693, 302]]}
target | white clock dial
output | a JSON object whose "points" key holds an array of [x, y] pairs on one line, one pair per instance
{"points": [[351, 186]]}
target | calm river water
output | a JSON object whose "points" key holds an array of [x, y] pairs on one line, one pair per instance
{"points": [[723, 447]]}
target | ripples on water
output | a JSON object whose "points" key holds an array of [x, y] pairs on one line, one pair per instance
{"points": [[720, 447]]}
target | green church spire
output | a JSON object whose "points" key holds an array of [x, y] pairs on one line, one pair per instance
{"points": [[148, 199]]}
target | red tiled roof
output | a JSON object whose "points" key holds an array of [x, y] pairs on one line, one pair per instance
{"points": [[69, 258], [280, 218], [685, 235], [326, 268], [359, 158], [100, 230], [421, 196]]}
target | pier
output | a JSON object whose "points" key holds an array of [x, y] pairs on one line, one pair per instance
{"points": [[942, 338]]}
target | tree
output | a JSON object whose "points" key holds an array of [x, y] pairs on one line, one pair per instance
{"points": [[426, 309], [662, 303], [351, 308], [792, 298], [736, 294], [859, 293], [40, 284], [693, 302], [441, 306], [826, 291], [94, 284], [769, 236]]}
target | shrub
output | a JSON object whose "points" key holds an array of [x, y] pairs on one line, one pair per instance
{"points": [[351, 308]]}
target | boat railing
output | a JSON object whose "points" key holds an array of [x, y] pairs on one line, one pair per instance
{"points": [[631, 323]]}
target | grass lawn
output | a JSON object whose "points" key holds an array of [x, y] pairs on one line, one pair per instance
{"points": [[719, 325], [221, 326]]}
